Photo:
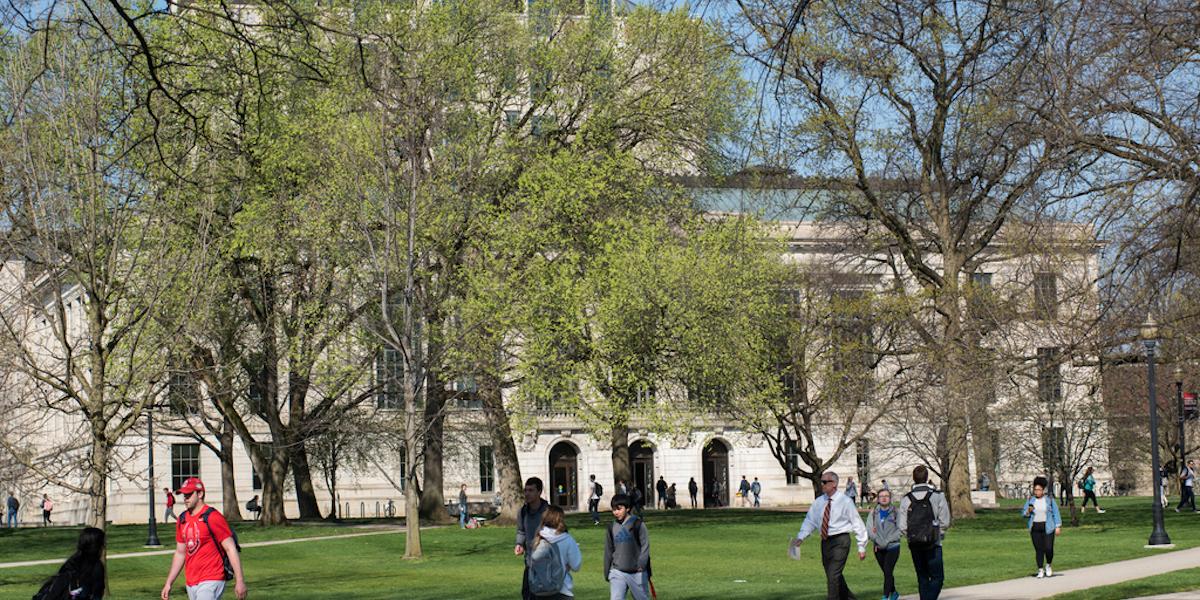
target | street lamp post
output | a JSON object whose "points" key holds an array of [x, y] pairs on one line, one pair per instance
{"points": [[151, 539], [1149, 335], [1178, 372]]}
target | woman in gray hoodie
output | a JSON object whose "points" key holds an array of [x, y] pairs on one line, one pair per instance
{"points": [[884, 531]]}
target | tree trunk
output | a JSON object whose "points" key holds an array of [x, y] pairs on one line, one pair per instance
{"points": [[985, 458], [958, 477], [815, 480], [504, 451], [229, 497], [273, 467], [306, 494], [433, 501], [622, 471], [98, 481]]}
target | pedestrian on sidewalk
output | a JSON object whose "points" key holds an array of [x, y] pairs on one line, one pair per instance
{"points": [[595, 490], [82, 576], [693, 489], [203, 543], [47, 507], [924, 518], [1044, 522], [170, 512], [744, 491], [756, 489], [661, 488], [1187, 486], [834, 515], [1089, 491], [883, 527]]}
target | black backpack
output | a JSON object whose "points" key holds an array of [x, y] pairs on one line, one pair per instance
{"points": [[224, 557], [599, 490], [921, 528]]}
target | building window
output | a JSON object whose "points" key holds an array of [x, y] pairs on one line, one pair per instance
{"points": [[185, 463], [487, 469], [466, 393], [182, 395], [862, 458], [389, 379], [1045, 296], [1049, 375], [979, 298], [793, 462], [1054, 446], [255, 480]]}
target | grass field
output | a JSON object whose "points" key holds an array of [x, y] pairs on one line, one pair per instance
{"points": [[697, 555]]}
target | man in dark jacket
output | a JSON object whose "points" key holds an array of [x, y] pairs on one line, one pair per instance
{"points": [[927, 558], [661, 488], [529, 522]]}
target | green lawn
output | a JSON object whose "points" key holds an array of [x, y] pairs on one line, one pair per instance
{"points": [[697, 554]]}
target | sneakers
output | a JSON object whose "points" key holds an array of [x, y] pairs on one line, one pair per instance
{"points": [[1049, 571], [894, 596], [1041, 573], [1099, 510], [1176, 509]]}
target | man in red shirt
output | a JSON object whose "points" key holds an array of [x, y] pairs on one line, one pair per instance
{"points": [[170, 513], [199, 547]]}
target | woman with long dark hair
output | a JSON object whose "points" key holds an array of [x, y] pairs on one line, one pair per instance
{"points": [[82, 576], [1044, 522]]}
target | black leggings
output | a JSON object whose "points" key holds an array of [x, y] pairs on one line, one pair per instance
{"points": [[887, 563], [1043, 543], [1089, 495]]}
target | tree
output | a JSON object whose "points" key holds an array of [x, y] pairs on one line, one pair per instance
{"points": [[925, 108], [85, 264]]}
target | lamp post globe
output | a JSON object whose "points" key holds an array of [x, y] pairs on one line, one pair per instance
{"points": [[1149, 335]]}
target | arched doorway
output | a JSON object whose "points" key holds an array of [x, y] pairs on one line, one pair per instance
{"points": [[641, 460], [564, 476], [716, 473]]}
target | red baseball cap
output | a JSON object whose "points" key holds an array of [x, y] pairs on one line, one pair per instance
{"points": [[191, 485]]}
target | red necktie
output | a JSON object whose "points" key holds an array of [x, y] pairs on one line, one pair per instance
{"points": [[825, 520]]}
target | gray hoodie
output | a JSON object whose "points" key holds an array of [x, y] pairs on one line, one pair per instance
{"points": [[884, 532], [627, 546], [529, 522], [941, 509]]}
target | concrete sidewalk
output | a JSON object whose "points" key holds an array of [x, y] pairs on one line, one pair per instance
{"points": [[57, 561], [1078, 579]]}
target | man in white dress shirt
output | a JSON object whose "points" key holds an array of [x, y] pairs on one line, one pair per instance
{"points": [[833, 515]]}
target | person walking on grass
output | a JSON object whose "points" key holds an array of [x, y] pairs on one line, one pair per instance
{"points": [[595, 490], [170, 512], [852, 489], [462, 507], [924, 518], [13, 506], [834, 516], [693, 489], [1187, 487], [82, 576], [1044, 522], [203, 541], [883, 527], [627, 553], [1089, 491], [47, 508], [529, 522], [555, 555], [756, 489], [744, 491]]}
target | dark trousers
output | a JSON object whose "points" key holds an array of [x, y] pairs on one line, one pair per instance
{"points": [[927, 560], [1187, 498], [887, 563], [1043, 544], [833, 557], [693, 494], [1089, 495], [594, 508]]}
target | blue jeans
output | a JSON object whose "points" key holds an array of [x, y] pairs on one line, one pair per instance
{"points": [[594, 508], [462, 515], [12, 519], [928, 563]]}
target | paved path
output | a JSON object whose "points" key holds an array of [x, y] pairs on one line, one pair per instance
{"points": [[1192, 595], [1078, 579], [56, 561]]}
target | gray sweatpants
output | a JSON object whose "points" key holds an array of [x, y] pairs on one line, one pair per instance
{"points": [[206, 590], [637, 584]]}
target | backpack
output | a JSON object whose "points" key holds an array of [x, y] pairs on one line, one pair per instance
{"points": [[599, 490], [224, 557], [546, 572], [637, 539], [921, 528]]}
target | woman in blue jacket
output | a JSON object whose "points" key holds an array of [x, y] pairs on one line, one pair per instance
{"points": [[1044, 523]]}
